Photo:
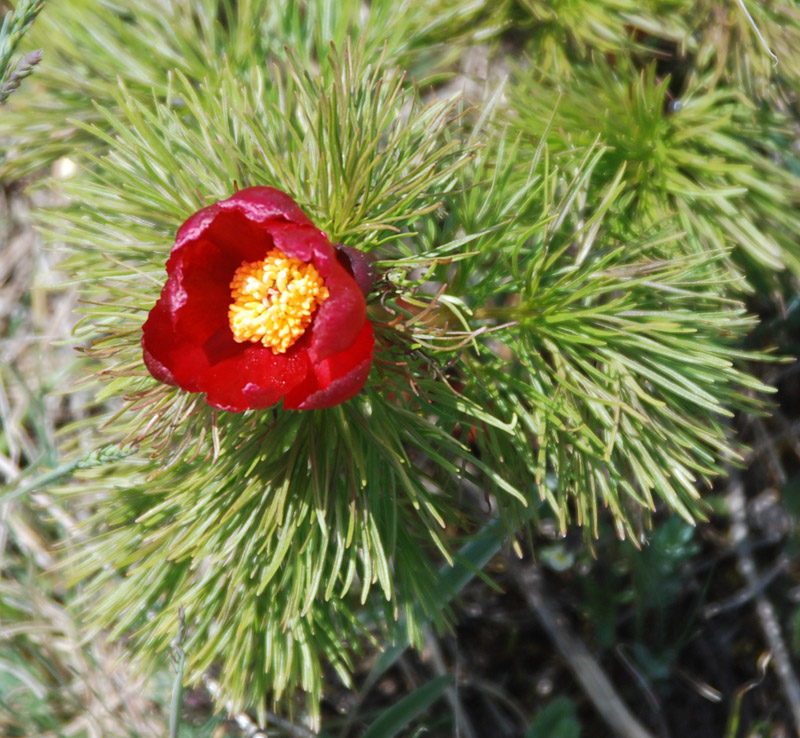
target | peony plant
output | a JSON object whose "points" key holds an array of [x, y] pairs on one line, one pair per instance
{"points": [[410, 335]]}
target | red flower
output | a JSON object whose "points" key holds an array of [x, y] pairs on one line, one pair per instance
{"points": [[257, 308]]}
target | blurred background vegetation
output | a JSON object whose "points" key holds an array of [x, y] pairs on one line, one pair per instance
{"points": [[662, 130]]}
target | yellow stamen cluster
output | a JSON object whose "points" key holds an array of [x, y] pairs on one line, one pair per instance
{"points": [[274, 300]]}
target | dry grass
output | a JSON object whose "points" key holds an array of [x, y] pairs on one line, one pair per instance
{"points": [[51, 682]]}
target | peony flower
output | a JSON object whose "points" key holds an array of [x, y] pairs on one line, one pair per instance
{"points": [[258, 308]]}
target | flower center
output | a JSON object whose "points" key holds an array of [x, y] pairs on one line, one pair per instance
{"points": [[274, 300]]}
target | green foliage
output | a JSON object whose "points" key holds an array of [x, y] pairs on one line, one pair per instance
{"points": [[647, 582], [607, 347], [747, 46], [401, 714], [91, 44], [688, 157], [730, 48], [99, 457], [557, 720], [51, 682], [567, 33]]}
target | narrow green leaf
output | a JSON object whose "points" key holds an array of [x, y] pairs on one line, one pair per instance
{"points": [[400, 715]]}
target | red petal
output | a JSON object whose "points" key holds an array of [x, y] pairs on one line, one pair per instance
{"points": [[169, 357], [199, 289], [252, 204], [253, 378], [337, 378], [195, 226], [231, 232], [260, 204], [234, 376], [339, 319]]}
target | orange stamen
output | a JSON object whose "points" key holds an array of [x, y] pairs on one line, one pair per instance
{"points": [[274, 300]]}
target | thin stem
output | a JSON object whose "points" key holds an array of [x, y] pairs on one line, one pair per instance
{"points": [[757, 31], [104, 455], [781, 659], [596, 685], [464, 727], [177, 687]]}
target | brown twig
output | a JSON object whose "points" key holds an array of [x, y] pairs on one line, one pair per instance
{"points": [[596, 685], [463, 727], [646, 689], [749, 592], [781, 659]]}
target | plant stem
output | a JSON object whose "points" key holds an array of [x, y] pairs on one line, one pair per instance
{"points": [[596, 685], [781, 659], [177, 687]]}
